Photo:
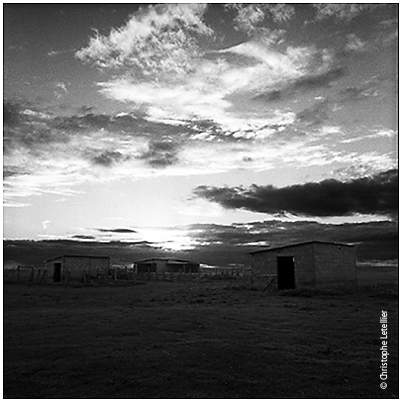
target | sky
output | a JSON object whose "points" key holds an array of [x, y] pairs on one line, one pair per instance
{"points": [[161, 123]]}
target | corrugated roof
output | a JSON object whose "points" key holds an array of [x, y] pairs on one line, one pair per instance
{"points": [[77, 255], [302, 244]]}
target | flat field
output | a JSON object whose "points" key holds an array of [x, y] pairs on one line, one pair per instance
{"points": [[207, 339]]}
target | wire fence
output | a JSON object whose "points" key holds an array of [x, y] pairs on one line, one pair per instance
{"points": [[32, 274], [23, 273]]}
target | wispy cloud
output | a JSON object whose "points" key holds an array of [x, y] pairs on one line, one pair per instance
{"points": [[250, 17], [355, 44], [343, 12], [62, 86], [156, 40]]}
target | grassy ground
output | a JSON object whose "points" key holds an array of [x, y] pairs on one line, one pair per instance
{"points": [[211, 339]]}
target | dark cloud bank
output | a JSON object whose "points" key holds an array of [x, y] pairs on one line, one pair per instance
{"points": [[219, 245], [369, 195]]}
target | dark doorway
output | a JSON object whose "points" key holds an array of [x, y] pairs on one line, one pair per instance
{"points": [[57, 272], [286, 273]]}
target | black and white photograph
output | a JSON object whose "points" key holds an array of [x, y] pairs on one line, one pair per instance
{"points": [[200, 200]]}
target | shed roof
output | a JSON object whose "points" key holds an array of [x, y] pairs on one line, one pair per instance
{"points": [[302, 244], [77, 256], [170, 260]]}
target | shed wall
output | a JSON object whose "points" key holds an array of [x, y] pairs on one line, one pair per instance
{"points": [[50, 268], [75, 267], [160, 266], [335, 265], [265, 263]]}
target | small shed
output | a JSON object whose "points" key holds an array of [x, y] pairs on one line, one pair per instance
{"points": [[75, 266], [307, 264], [160, 265]]}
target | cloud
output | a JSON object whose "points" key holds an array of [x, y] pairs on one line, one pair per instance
{"points": [[316, 81], [62, 86], [83, 237], [199, 84], [157, 40], [379, 133], [370, 195], [45, 224], [343, 12], [161, 153], [218, 245], [308, 82], [107, 158], [53, 53], [117, 230], [11, 113], [355, 44], [315, 115], [368, 89], [250, 17], [44, 153]]}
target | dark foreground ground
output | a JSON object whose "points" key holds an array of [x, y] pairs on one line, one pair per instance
{"points": [[216, 339]]}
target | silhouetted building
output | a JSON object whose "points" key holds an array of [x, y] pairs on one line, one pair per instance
{"points": [[160, 265], [66, 267], [308, 264]]}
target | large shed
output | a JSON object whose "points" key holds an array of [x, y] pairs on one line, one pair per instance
{"points": [[69, 266], [307, 264], [160, 265]]}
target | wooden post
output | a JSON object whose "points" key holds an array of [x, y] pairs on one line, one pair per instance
{"points": [[115, 273], [37, 277], [18, 273], [32, 277], [44, 274]]}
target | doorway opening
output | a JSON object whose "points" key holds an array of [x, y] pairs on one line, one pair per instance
{"points": [[57, 272], [286, 273]]}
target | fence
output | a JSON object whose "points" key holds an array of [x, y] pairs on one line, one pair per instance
{"points": [[117, 273], [23, 273], [210, 273]]}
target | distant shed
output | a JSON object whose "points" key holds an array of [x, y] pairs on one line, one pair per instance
{"points": [[308, 264], [160, 265], [75, 266]]}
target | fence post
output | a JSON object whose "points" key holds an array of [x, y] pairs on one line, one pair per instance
{"points": [[18, 273], [32, 277], [37, 277], [44, 274]]}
